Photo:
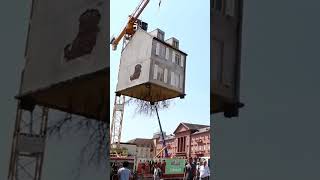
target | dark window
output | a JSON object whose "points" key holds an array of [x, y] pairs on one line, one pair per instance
{"points": [[217, 60], [218, 5]]}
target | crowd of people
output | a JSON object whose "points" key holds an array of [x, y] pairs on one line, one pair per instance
{"points": [[145, 169], [195, 169], [155, 168]]}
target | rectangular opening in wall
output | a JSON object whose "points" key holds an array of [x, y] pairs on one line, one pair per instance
{"points": [[167, 53], [217, 53], [157, 48], [165, 75], [176, 44], [163, 51], [177, 80], [160, 74], [182, 60], [178, 59], [172, 78], [173, 56], [181, 81], [230, 7], [155, 71], [218, 5]]}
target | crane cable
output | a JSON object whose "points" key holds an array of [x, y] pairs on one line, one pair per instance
{"points": [[163, 138]]}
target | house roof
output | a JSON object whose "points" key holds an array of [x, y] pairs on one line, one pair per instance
{"points": [[141, 141], [165, 43], [128, 143], [190, 126], [202, 130]]}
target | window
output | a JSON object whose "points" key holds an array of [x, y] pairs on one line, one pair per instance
{"points": [[162, 51], [178, 59], [181, 82], [167, 53], [173, 56], [155, 71], [217, 60], [172, 79], [160, 74], [175, 44], [165, 75], [182, 60], [177, 80], [157, 48], [161, 35], [218, 5], [230, 7]]}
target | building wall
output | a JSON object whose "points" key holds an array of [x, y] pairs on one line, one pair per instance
{"points": [[137, 51], [225, 45], [198, 146], [144, 151], [164, 59], [192, 147], [45, 62], [132, 149]]}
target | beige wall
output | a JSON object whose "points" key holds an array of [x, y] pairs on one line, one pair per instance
{"points": [[144, 152], [132, 149]]}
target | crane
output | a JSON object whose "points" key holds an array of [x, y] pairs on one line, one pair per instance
{"points": [[118, 110], [129, 28]]}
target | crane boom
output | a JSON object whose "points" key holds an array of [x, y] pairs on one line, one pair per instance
{"points": [[129, 28]]}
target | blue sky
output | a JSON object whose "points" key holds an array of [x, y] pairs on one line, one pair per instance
{"points": [[188, 22]]}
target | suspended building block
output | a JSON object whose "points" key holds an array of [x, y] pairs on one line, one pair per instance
{"points": [[226, 33], [67, 58], [151, 68]]}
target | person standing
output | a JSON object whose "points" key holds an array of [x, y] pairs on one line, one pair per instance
{"points": [[163, 166], [198, 171], [190, 169], [124, 173], [157, 172], [204, 171]]}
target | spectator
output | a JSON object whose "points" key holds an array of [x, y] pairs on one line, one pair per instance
{"points": [[163, 167], [157, 173], [147, 169], [150, 167], [124, 173], [139, 167], [190, 169], [198, 171], [204, 171]]}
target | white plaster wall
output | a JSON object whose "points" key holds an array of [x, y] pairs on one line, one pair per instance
{"points": [[225, 32], [54, 24], [137, 51], [170, 65]]}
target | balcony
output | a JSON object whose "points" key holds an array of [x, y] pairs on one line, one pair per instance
{"points": [[198, 141]]}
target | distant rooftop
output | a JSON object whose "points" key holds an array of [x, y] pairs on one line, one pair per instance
{"points": [[194, 126], [141, 141]]}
